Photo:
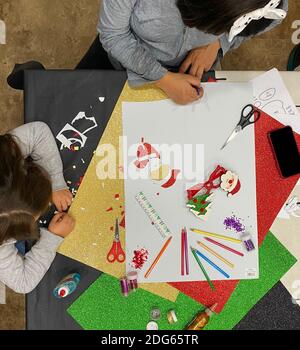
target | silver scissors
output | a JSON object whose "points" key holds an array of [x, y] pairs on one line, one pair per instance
{"points": [[249, 116]]}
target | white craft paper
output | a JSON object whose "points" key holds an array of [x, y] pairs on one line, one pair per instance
{"points": [[208, 122], [272, 96]]}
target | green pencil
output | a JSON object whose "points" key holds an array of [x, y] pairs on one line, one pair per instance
{"points": [[202, 268]]}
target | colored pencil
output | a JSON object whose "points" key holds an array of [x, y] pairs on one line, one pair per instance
{"points": [[224, 246], [218, 256], [182, 252], [158, 257], [211, 263], [202, 269], [226, 238], [187, 266]]}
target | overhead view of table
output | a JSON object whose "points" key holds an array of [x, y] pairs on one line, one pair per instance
{"points": [[61, 99]]}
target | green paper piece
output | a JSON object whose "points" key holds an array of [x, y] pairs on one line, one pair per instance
{"points": [[200, 205], [102, 306]]}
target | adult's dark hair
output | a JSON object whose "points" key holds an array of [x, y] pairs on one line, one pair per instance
{"points": [[218, 16], [25, 193]]}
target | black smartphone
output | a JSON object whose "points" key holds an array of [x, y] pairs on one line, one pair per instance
{"points": [[286, 151]]}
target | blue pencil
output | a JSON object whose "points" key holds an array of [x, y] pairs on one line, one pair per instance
{"points": [[212, 264]]}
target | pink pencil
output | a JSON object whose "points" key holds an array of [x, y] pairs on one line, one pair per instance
{"points": [[224, 246], [182, 252], [187, 267]]}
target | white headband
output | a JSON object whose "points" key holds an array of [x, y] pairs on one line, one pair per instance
{"points": [[270, 11]]}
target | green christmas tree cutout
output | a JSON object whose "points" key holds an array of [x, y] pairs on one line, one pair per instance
{"points": [[200, 205]]}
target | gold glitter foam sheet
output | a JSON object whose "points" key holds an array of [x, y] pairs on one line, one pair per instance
{"points": [[99, 202]]}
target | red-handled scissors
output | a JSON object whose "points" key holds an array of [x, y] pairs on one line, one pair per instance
{"points": [[116, 253]]}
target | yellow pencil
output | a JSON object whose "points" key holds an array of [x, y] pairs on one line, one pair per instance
{"points": [[225, 261], [226, 238]]}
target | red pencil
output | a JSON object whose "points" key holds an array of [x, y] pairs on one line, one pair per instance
{"points": [[224, 246]]}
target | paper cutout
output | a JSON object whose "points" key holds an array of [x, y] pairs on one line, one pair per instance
{"points": [[161, 173], [291, 209], [213, 182], [148, 156], [73, 135], [200, 206], [230, 183], [145, 152], [172, 179], [220, 178]]}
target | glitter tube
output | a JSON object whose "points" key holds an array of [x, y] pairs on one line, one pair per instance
{"points": [[132, 280], [124, 287]]}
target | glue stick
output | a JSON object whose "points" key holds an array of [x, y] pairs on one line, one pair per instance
{"points": [[202, 319], [67, 286]]}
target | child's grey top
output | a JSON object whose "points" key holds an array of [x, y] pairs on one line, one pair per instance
{"points": [[36, 140], [148, 36], [23, 274]]}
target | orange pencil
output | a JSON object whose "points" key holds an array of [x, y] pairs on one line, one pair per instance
{"points": [[158, 257]]}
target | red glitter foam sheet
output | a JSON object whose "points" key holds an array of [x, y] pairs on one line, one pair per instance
{"points": [[272, 193]]}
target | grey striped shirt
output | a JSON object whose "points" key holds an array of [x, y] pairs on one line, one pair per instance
{"points": [[147, 37]]}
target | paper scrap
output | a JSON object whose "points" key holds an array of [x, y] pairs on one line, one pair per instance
{"points": [[272, 96]]}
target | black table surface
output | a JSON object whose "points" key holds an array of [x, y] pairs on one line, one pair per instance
{"points": [[56, 98]]}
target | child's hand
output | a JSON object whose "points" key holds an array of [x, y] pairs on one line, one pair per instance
{"points": [[201, 60], [61, 225], [181, 88], [62, 199]]}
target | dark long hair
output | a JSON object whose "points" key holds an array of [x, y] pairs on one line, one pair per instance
{"points": [[218, 16], [25, 193]]}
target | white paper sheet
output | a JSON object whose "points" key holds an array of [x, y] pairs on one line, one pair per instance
{"points": [[272, 96], [207, 122]]}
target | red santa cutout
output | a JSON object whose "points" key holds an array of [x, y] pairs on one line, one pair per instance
{"points": [[230, 183]]}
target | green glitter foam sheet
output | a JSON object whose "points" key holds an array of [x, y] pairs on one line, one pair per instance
{"points": [[102, 306]]}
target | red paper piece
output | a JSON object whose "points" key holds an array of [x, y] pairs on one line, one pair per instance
{"points": [[172, 179], [272, 193], [123, 223]]}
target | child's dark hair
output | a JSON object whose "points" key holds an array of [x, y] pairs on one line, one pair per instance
{"points": [[25, 193], [218, 16]]}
